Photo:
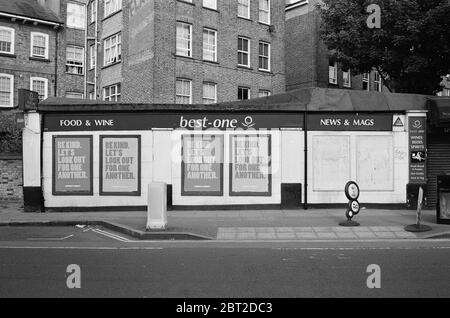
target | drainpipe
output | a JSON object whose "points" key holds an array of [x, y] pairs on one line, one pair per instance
{"points": [[305, 134], [55, 88]]}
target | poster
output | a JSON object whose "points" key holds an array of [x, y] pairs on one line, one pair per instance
{"points": [[120, 165], [250, 168], [202, 165], [72, 165], [417, 147]]}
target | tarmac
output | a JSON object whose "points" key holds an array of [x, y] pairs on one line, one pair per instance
{"points": [[241, 225]]}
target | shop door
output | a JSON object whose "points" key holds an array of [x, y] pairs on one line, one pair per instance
{"points": [[438, 163]]}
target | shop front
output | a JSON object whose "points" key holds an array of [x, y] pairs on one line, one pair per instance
{"points": [[293, 154], [208, 159]]}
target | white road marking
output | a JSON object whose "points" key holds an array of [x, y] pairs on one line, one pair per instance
{"points": [[76, 248], [49, 239], [111, 235]]}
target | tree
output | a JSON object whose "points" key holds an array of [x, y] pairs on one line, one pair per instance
{"points": [[411, 50]]}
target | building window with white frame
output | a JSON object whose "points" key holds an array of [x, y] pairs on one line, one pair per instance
{"points": [[264, 11], [92, 57], [39, 85], [93, 10], [76, 16], [244, 9], [211, 4], [243, 52], [7, 40], [347, 78], [183, 91], [264, 56], [74, 95], [209, 93], [264, 93], [112, 6], [112, 49], [39, 45], [332, 73], [209, 45], [112, 93], [75, 60], [243, 93], [377, 81], [6, 90], [366, 82], [184, 39]]}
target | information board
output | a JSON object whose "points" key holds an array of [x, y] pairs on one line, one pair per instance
{"points": [[120, 165], [202, 165], [250, 165], [72, 165], [417, 147]]}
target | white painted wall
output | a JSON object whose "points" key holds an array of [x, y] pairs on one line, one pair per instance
{"points": [[31, 144], [377, 161], [292, 157]]}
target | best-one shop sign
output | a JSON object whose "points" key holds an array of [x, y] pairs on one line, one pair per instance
{"points": [[220, 121], [194, 121]]}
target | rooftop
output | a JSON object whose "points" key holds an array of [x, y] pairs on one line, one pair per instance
{"points": [[28, 8]]}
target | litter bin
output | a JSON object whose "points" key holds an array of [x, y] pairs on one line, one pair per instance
{"points": [[157, 206], [443, 199]]}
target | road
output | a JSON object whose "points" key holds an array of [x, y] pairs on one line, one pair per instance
{"points": [[34, 261]]}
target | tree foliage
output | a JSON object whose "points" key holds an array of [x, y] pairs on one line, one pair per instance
{"points": [[411, 50], [10, 134]]}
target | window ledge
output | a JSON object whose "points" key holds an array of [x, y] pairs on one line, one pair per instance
{"points": [[40, 59], [111, 15], [265, 71], [212, 62], [244, 18], [68, 73], [245, 67], [13, 56], [211, 9], [184, 57], [187, 2], [109, 65]]}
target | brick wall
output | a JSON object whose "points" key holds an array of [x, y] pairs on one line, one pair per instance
{"points": [[153, 80], [11, 178]]}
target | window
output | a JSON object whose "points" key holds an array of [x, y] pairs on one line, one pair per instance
{"points": [[332, 71], [111, 93], [39, 45], [93, 10], [112, 6], [184, 39], [264, 56], [377, 81], [74, 60], [264, 11], [92, 56], [212, 4], [39, 85], [74, 95], [243, 93], [92, 96], [244, 9], [76, 16], [6, 40], [183, 91], [209, 93], [346, 78], [243, 52], [6, 90], [366, 82], [209, 45], [264, 93], [113, 49]]}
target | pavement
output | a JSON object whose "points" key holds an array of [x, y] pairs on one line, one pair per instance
{"points": [[241, 225]]}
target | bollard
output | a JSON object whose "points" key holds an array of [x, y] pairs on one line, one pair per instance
{"points": [[157, 206], [418, 227]]}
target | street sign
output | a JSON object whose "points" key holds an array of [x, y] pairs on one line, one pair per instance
{"points": [[28, 100]]}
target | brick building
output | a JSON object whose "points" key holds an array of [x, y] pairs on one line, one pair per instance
{"points": [[307, 57], [40, 41], [197, 51]]}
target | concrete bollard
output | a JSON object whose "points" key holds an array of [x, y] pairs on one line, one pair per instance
{"points": [[157, 206]]}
